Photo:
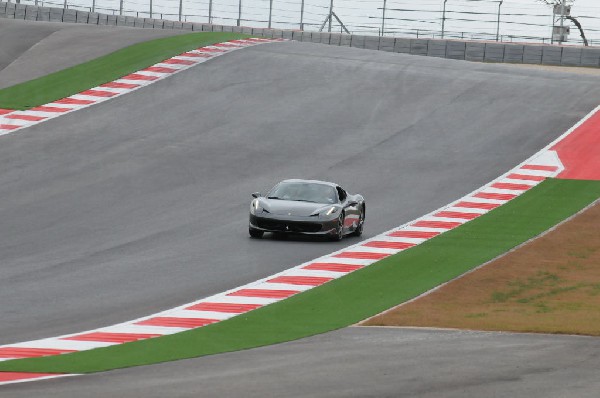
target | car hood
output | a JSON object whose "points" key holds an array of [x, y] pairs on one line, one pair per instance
{"points": [[291, 207]]}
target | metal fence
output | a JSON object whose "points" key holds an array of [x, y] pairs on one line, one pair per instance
{"points": [[489, 20], [454, 49]]}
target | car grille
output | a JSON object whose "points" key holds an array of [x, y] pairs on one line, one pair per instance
{"points": [[289, 226]]}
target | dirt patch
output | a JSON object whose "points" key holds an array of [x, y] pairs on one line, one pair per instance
{"points": [[551, 285]]}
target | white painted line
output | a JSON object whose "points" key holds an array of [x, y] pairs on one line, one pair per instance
{"points": [[153, 74], [500, 191], [199, 314], [425, 229], [535, 173], [475, 199], [63, 344], [387, 238], [377, 250], [222, 298], [339, 260], [37, 379], [172, 66], [447, 219], [282, 286], [468, 211], [315, 273]]}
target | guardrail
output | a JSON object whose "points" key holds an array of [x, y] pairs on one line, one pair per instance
{"points": [[452, 49]]}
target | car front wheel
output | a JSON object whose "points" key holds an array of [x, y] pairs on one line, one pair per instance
{"points": [[361, 222], [339, 231]]}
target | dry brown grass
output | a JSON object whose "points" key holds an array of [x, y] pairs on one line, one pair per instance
{"points": [[551, 285]]}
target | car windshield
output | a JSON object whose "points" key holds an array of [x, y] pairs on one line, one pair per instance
{"points": [[304, 191]]}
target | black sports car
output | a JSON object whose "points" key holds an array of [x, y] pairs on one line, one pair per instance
{"points": [[307, 207]]}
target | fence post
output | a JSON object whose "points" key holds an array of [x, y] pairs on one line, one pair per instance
{"points": [[444, 18], [150, 9], [210, 11], [270, 12], [302, 15], [498, 24], [330, 15], [383, 19], [239, 20], [120, 7]]}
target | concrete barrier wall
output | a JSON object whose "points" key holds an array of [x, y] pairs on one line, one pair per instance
{"points": [[456, 50], [9, 10], [589, 56], [20, 11], [453, 49]]}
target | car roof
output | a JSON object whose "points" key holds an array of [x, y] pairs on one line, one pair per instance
{"points": [[331, 184]]}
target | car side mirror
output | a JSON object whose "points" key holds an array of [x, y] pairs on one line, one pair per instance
{"points": [[256, 195]]}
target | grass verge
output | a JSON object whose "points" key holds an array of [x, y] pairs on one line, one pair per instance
{"points": [[352, 298], [101, 70]]}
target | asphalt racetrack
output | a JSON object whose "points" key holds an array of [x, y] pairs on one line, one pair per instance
{"points": [[140, 204], [361, 362]]}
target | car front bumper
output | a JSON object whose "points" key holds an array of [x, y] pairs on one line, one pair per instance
{"points": [[293, 225]]}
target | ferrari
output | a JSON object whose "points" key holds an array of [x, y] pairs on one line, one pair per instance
{"points": [[307, 207]]}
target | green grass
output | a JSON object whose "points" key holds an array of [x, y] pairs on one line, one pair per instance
{"points": [[101, 70], [354, 297]]}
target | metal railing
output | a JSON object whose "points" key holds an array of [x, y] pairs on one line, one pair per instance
{"points": [[373, 17]]}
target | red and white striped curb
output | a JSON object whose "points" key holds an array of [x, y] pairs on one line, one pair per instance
{"points": [[13, 120], [275, 288]]}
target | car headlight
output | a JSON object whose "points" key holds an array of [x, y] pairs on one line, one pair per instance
{"points": [[257, 208], [328, 211]]}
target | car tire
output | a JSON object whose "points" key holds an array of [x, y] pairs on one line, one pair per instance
{"points": [[361, 222], [340, 229], [255, 233]]}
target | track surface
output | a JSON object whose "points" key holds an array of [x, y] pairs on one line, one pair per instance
{"points": [[140, 204], [362, 362], [29, 50]]}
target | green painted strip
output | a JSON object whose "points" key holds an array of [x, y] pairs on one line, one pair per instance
{"points": [[354, 297], [105, 69]]}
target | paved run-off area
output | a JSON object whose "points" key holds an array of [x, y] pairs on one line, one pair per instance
{"points": [[361, 362]]}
